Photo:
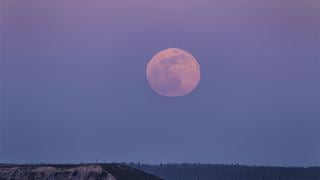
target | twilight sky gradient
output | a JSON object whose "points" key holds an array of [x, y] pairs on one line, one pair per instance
{"points": [[73, 84]]}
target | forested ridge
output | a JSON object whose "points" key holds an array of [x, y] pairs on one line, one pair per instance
{"points": [[229, 172]]}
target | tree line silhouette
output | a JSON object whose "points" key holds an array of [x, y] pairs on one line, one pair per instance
{"points": [[228, 172]]}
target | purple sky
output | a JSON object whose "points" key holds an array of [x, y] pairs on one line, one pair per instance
{"points": [[73, 84]]}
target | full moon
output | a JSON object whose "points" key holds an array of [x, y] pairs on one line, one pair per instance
{"points": [[173, 72]]}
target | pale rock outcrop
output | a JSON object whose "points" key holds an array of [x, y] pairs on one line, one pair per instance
{"points": [[54, 173]]}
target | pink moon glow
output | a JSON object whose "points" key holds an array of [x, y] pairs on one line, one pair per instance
{"points": [[173, 72]]}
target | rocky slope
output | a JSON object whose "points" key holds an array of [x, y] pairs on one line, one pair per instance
{"points": [[73, 172]]}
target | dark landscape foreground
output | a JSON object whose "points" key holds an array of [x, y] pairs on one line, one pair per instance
{"points": [[73, 172], [130, 171], [229, 172]]}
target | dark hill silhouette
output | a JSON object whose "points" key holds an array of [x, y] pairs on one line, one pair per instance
{"points": [[228, 172]]}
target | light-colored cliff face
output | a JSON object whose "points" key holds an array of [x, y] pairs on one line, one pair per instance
{"points": [[56, 173]]}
